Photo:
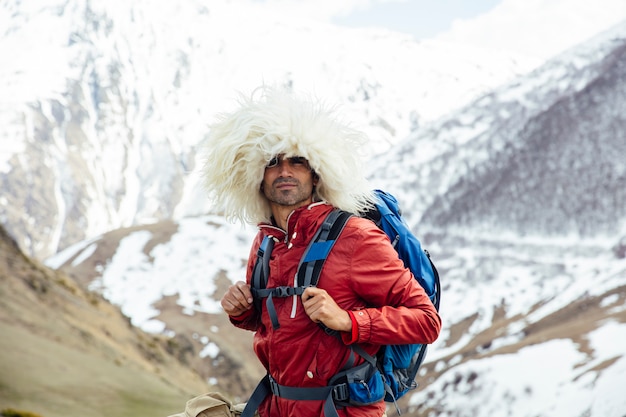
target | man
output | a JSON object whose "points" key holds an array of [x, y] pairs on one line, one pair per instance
{"points": [[284, 164]]}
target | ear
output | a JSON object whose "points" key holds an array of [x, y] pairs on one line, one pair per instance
{"points": [[316, 178]]}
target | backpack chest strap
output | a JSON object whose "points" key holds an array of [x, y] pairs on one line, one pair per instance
{"points": [[270, 293], [309, 267]]}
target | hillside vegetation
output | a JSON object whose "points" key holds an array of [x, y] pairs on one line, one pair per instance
{"points": [[68, 352]]}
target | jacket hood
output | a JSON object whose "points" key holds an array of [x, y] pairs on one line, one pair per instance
{"points": [[272, 122]]}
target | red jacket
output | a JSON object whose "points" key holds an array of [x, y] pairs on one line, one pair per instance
{"points": [[365, 277]]}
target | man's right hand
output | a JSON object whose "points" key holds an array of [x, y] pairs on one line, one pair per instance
{"points": [[238, 299]]}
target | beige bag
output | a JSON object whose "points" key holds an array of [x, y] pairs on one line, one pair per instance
{"points": [[212, 404]]}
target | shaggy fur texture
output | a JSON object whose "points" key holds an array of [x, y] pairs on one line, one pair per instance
{"points": [[273, 122]]}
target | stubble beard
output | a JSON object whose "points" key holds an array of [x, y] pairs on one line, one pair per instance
{"points": [[289, 197]]}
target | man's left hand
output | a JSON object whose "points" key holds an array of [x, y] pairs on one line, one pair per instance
{"points": [[322, 308]]}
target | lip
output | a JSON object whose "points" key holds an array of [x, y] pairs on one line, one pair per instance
{"points": [[285, 185]]}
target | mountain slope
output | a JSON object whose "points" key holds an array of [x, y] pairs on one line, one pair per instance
{"points": [[564, 172], [69, 352], [168, 277], [531, 328], [538, 156]]}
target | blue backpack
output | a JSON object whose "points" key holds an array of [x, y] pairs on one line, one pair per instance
{"points": [[390, 374], [399, 363]]}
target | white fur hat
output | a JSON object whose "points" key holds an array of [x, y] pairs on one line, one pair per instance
{"points": [[273, 122]]}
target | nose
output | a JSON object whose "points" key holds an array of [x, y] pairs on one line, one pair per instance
{"points": [[284, 168]]}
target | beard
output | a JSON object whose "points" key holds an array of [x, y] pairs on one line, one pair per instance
{"points": [[294, 195]]}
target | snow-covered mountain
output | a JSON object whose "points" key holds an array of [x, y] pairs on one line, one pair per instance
{"points": [[534, 302], [542, 155], [104, 105], [515, 183]]}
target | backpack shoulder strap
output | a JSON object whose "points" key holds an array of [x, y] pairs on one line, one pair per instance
{"points": [[261, 269], [437, 297], [311, 263]]}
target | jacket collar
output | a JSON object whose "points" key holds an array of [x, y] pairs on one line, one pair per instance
{"points": [[302, 224]]}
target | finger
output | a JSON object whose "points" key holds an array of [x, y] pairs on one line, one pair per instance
{"points": [[241, 292], [311, 311], [309, 293], [237, 299], [229, 307], [245, 290]]}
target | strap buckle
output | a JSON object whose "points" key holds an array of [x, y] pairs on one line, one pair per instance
{"points": [[282, 292], [285, 291], [341, 393]]}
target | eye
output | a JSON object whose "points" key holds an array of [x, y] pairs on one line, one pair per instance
{"points": [[297, 160], [273, 162]]}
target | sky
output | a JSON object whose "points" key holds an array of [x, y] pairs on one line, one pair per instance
{"points": [[536, 29], [420, 18]]}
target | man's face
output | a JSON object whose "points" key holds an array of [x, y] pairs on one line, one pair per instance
{"points": [[288, 182]]}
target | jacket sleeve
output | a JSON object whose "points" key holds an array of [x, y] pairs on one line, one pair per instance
{"points": [[399, 310], [250, 319]]}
